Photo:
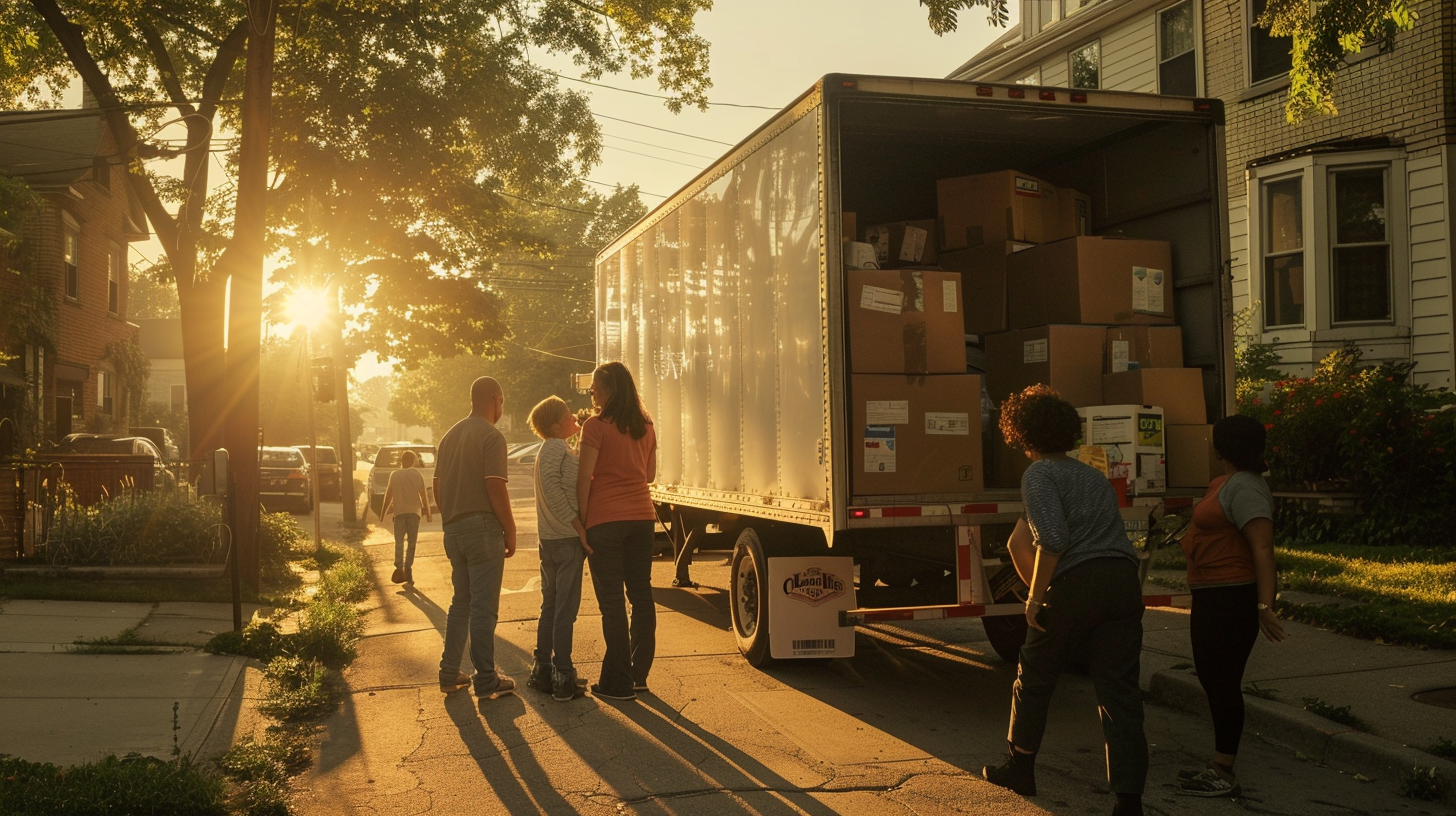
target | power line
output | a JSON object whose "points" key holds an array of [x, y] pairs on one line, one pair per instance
{"points": [[664, 130], [658, 146], [550, 354], [650, 156], [653, 95], [614, 186]]}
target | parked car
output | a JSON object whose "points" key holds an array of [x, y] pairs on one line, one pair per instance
{"points": [[386, 461], [111, 444], [283, 479], [327, 470], [522, 460], [163, 439]]}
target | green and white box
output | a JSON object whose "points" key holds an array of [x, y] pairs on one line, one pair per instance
{"points": [[1132, 436]]}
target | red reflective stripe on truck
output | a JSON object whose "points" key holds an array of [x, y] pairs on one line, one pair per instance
{"points": [[963, 561], [889, 512], [976, 509]]}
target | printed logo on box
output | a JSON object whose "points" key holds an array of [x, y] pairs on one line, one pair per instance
{"points": [[1028, 187], [814, 586]]}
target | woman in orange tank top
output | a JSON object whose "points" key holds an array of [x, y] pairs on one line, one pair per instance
{"points": [[1230, 553]]}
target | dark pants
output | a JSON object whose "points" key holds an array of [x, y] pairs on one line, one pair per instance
{"points": [[1223, 627], [561, 560], [1096, 603], [622, 558]]}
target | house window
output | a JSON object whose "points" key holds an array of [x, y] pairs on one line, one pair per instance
{"points": [[1326, 258], [1284, 253], [179, 399], [1086, 65], [1033, 78], [70, 253], [1040, 14], [1070, 7], [1359, 246], [1177, 67], [1270, 57], [104, 383], [113, 281]]}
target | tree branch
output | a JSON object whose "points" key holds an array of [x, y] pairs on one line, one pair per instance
{"points": [[183, 25], [166, 70]]}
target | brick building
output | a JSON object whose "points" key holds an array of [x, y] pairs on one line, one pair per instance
{"points": [[71, 260], [1340, 228]]}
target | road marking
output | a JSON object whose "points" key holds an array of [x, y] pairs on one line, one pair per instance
{"points": [[532, 585]]}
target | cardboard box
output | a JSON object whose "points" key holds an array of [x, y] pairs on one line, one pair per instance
{"points": [[916, 435], [903, 243], [1132, 437], [1003, 206], [1178, 391], [1191, 459], [848, 227], [1122, 281], [1068, 358], [905, 321], [983, 283], [1004, 464], [1147, 346]]}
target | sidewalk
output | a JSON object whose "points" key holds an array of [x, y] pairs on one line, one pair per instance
{"points": [[1378, 683]]}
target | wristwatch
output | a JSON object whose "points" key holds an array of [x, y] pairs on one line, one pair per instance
{"points": [[1263, 606]]}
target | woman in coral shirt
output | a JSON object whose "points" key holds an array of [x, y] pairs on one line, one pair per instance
{"points": [[1230, 552], [618, 461]]}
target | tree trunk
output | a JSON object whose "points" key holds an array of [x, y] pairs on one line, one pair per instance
{"points": [[202, 354]]}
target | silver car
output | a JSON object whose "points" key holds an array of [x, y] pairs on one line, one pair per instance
{"points": [[386, 461]]}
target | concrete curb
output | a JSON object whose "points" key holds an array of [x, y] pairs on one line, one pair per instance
{"points": [[178, 571], [1323, 741]]}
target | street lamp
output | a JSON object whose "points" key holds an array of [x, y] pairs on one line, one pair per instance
{"points": [[308, 308]]}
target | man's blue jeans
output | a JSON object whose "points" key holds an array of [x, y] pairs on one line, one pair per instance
{"points": [[476, 547], [622, 559], [406, 527], [561, 560]]}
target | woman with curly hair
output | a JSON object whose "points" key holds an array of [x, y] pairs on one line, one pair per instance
{"points": [[1072, 550]]}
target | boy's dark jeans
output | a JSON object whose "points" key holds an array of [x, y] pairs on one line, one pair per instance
{"points": [[1098, 604], [561, 560], [622, 559]]}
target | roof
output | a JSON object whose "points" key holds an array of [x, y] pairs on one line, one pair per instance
{"points": [[160, 337], [50, 148]]}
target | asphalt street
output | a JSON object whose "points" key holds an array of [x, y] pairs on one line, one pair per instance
{"points": [[903, 727]]}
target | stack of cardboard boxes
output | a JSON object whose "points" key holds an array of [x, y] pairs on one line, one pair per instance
{"points": [[1010, 265]]}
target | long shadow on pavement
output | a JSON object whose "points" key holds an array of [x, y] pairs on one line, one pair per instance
{"points": [[504, 754]]}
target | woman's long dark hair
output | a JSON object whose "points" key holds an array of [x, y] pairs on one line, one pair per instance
{"points": [[624, 408]]}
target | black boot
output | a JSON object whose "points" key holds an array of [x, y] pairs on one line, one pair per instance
{"points": [[1017, 773], [540, 678], [1128, 804]]}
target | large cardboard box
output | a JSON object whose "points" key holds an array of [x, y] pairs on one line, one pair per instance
{"points": [[1133, 439], [1004, 464], [1089, 279], [916, 435], [1068, 358], [903, 243], [905, 321], [1004, 206], [1147, 346], [1178, 391], [983, 283], [1191, 458]]}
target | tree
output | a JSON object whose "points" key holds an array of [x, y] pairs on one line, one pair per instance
{"points": [[1323, 33]]}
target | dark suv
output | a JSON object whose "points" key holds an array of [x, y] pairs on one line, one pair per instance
{"points": [[327, 470], [283, 477]]}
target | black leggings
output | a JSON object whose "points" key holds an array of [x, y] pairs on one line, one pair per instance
{"points": [[1223, 628]]}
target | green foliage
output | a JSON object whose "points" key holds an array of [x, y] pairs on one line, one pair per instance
{"points": [[17, 203], [1256, 364], [260, 640], [1323, 33], [328, 632], [136, 527], [280, 540], [297, 689], [1339, 714], [133, 785], [1423, 784], [1442, 747], [944, 14], [133, 369], [347, 580], [1370, 430]]}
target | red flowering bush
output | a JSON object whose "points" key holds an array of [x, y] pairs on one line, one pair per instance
{"points": [[1367, 430]]}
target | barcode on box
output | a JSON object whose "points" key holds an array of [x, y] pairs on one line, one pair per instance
{"points": [[815, 646]]}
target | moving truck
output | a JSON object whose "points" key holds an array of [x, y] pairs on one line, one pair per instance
{"points": [[731, 304]]}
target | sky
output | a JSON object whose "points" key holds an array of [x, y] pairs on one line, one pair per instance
{"points": [[764, 53]]}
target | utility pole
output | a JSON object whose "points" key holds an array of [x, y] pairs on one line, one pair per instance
{"points": [[341, 395]]}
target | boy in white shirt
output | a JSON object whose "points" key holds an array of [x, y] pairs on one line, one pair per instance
{"points": [[406, 497], [563, 550]]}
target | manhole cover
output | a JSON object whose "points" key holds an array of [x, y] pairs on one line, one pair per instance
{"points": [[1444, 698]]}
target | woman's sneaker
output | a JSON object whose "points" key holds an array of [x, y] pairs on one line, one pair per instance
{"points": [[540, 678], [566, 686], [598, 691], [1208, 783]]}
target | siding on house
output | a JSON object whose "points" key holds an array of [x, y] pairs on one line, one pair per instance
{"points": [[1430, 267]]}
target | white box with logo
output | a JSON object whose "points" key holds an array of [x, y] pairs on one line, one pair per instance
{"points": [[805, 596]]}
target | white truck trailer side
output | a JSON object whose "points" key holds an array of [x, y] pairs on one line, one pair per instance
{"points": [[728, 302]]}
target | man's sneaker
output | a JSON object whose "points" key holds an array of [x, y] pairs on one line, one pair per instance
{"points": [[399, 576], [1017, 773], [1208, 783], [540, 678], [640, 688], [598, 691], [504, 685], [566, 686], [462, 680]]}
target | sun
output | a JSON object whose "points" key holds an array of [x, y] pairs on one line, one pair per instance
{"points": [[308, 307]]}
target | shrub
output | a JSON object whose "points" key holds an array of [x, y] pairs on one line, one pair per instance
{"points": [[328, 631], [132, 785], [280, 540], [347, 579], [296, 689], [136, 527], [259, 640]]}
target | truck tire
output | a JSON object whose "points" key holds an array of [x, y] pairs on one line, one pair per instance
{"points": [[748, 598], [1007, 633]]}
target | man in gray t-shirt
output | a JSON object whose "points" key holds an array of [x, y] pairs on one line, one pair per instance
{"points": [[480, 533]]}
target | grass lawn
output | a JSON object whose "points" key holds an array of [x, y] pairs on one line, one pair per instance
{"points": [[137, 590], [1405, 595]]}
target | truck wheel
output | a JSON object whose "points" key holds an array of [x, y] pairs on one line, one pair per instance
{"points": [[1007, 633], [749, 598]]}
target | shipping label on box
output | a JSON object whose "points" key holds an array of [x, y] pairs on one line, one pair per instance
{"points": [[879, 444], [889, 301], [1034, 351], [1132, 438], [1147, 290], [947, 424], [902, 242]]}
